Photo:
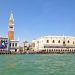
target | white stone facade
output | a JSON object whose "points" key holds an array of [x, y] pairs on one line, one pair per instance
{"points": [[9, 45], [14, 46], [54, 43]]}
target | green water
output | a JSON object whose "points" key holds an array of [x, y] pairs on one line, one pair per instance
{"points": [[51, 64]]}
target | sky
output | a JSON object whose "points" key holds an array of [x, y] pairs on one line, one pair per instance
{"points": [[36, 18]]}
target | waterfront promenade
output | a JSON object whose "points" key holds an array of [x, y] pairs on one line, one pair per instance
{"points": [[36, 52]]}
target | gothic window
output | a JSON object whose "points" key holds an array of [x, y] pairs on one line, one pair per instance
{"points": [[16, 44], [47, 41], [68, 41], [59, 41], [63, 42], [53, 41], [13, 44]]}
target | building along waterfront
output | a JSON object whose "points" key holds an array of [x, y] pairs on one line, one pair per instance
{"points": [[9, 44], [46, 44], [54, 44]]}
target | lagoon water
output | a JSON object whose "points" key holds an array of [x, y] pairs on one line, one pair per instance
{"points": [[37, 64]]}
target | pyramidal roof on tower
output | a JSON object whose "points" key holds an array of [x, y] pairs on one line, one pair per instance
{"points": [[11, 17]]}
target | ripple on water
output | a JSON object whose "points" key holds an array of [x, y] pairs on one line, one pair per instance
{"points": [[48, 64]]}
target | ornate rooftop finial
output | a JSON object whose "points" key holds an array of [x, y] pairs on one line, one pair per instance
{"points": [[11, 16]]}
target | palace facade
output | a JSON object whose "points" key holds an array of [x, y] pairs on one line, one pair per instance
{"points": [[54, 44]]}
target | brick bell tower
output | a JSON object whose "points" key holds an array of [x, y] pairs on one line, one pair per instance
{"points": [[11, 27]]}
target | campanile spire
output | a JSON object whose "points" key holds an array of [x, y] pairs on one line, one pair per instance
{"points": [[11, 27]]}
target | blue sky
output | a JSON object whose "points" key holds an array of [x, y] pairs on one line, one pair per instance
{"points": [[35, 18]]}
